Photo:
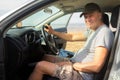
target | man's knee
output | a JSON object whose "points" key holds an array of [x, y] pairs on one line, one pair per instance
{"points": [[40, 65], [45, 67]]}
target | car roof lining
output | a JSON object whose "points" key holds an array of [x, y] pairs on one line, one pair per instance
{"points": [[78, 5]]}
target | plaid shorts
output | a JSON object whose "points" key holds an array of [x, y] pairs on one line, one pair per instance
{"points": [[66, 72]]}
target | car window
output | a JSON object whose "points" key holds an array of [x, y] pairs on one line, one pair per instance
{"points": [[76, 23], [73, 22], [61, 22]]}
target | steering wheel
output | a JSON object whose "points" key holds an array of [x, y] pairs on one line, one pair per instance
{"points": [[49, 40]]}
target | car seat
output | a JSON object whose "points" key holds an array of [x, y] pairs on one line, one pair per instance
{"points": [[106, 19]]}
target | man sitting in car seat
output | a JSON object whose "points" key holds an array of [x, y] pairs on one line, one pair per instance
{"points": [[85, 62]]}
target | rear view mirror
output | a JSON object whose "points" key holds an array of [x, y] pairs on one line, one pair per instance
{"points": [[48, 11]]}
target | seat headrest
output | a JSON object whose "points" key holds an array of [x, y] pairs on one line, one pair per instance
{"points": [[114, 16], [105, 19]]}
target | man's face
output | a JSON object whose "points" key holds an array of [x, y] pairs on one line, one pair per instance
{"points": [[93, 19]]}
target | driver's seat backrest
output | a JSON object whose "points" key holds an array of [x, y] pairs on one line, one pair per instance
{"points": [[100, 75], [114, 17], [105, 19], [114, 20]]}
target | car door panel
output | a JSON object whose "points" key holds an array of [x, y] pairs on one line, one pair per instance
{"points": [[2, 64]]}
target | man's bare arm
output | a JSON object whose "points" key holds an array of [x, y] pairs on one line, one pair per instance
{"points": [[96, 65], [66, 36]]}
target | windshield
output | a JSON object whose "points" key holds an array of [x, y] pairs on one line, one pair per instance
{"points": [[9, 5], [37, 17]]}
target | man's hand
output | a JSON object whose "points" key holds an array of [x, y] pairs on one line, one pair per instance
{"points": [[48, 29]]}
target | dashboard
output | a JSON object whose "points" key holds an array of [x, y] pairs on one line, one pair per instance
{"points": [[23, 46]]}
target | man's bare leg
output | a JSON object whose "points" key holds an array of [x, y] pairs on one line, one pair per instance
{"points": [[47, 67], [42, 68]]}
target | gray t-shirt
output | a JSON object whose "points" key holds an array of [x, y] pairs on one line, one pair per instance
{"points": [[103, 36]]}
